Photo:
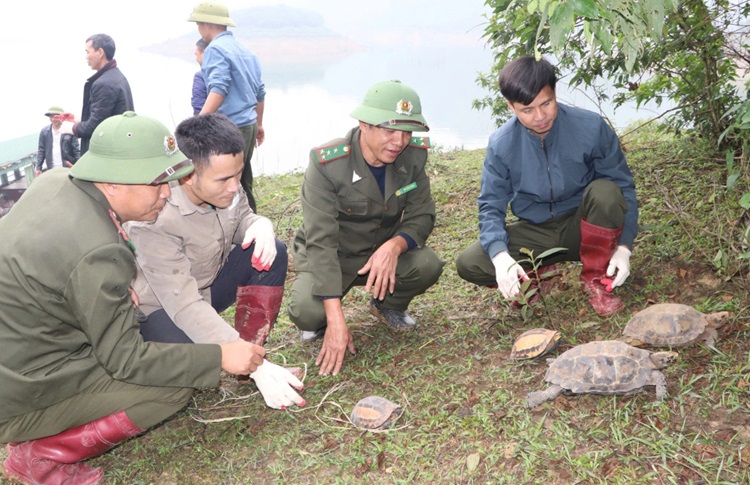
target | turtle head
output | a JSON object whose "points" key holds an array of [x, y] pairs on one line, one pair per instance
{"points": [[663, 359], [716, 320]]}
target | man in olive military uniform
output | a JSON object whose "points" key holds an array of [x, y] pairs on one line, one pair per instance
{"points": [[77, 378], [367, 213]]}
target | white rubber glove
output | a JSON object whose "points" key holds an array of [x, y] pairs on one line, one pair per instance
{"points": [[67, 128], [508, 274], [261, 232], [620, 261], [276, 383]]}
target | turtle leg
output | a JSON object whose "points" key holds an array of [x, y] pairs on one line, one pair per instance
{"points": [[534, 399], [709, 336], [660, 381]]}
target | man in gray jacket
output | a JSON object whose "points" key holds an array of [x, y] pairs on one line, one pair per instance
{"points": [[566, 179], [208, 248]]}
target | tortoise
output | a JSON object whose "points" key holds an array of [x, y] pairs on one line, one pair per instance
{"points": [[534, 343], [375, 412], [673, 325], [604, 367]]}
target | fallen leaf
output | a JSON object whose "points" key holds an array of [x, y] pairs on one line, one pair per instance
{"points": [[742, 383], [683, 273], [473, 398], [472, 462], [725, 434], [727, 298], [381, 461], [710, 282], [745, 455], [330, 444], [509, 450], [609, 466]]}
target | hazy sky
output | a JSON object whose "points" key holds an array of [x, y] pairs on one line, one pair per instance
{"points": [[44, 63]]}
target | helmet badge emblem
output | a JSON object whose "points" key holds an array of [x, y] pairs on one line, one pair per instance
{"points": [[404, 107], [170, 145]]}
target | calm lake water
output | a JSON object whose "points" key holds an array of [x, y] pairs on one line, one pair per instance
{"points": [[306, 104]]}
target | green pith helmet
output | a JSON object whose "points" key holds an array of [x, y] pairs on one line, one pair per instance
{"points": [[393, 105], [132, 149], [211, 13], [54, 110]]}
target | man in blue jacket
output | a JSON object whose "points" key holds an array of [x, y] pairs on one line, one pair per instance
{"points": [[565, 177], [233, 79]]}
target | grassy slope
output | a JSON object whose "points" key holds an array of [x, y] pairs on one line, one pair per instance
{"points": [[464, 420]]}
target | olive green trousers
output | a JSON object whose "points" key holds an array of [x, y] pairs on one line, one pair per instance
{"points": [[602, 205], [249, 133], [145, 406], [416, 272]]}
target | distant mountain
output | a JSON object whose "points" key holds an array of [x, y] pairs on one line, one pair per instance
{"points": [[277, 34]]}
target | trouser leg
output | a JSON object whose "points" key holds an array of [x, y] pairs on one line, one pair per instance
{"points": [[249, 133], [602, 204], [50, 443], [146, 406], [158, 327], [416, 272], [258, 294]]}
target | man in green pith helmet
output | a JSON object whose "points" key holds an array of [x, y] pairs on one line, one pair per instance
{"points": [[367, 213], [77, 378]]}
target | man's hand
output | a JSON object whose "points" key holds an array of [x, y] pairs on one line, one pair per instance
{"points": [[275, 383], [337, 339], [241, 358], [134, 296], [508, 274], [382, 267], [261, 136], [261, 232], [619, 262], [66, 128]]}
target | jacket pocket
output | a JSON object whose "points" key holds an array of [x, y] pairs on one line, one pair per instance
{"points": [[351, 208]]}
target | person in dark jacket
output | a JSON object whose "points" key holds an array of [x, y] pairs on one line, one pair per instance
{"points": [[200, 93], [56, 149], [106, 93], [565, 177]]}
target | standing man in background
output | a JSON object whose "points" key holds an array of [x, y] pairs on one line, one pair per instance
{"points": [[56, 148], [199, 94], [106, 93], [233, 79]]}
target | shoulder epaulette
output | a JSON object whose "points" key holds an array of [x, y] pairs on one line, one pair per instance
{"points": [[420, 142], [330, 153]]}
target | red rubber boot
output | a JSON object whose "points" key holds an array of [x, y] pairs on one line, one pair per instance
{"points": [[597, 246], [256, 311], [55, 460]]}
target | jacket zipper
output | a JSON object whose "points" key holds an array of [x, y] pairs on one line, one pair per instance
{"points": [[549, 176]]}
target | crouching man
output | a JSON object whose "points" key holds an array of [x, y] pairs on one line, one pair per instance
{"points": [[77, 376]]}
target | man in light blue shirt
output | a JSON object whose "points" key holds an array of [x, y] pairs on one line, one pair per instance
{"points": [[233, 79]]}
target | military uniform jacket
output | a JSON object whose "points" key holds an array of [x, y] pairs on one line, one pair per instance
{"points": [[180, 255], [66, 316], [345, 217]]}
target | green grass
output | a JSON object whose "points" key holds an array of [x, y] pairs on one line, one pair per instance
{"points": [[464, 419]]}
